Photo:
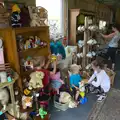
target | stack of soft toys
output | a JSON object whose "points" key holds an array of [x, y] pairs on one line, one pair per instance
{"points": [[31, 42]]}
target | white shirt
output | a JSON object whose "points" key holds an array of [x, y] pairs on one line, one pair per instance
{"points": [[114, 42], [103, 80]]}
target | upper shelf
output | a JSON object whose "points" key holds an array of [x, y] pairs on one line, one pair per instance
{"points": [[26, 29], [30, 29]]}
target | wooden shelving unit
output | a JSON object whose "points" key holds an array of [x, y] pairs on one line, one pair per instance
{"points": [[11, 49]]}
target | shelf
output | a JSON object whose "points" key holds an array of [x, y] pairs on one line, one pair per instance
{"points": [[34, 51], [30, 29], [2, 85]]}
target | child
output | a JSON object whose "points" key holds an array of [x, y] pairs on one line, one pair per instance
{"points": [[56, 81], [99, 81], [75, 78]]}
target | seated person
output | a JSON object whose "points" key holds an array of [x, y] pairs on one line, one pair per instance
{"points": [[99, 82]]}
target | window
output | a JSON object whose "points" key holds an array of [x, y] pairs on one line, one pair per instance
{"points": [[54, 8]]}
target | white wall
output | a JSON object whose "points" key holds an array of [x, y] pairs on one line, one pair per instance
{"points": [[54, 8]]}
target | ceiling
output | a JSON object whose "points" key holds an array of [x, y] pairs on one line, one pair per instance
{"points": [[113, 3]]}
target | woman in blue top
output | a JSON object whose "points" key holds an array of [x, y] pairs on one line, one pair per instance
{"points": [[113, 44]]}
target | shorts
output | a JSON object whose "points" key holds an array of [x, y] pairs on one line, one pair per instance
{"points": [[56, 84]]}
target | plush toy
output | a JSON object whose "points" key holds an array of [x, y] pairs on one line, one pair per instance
{"points": [[4, 97], [35, 20], [21, 116], [53, 58], [27, 44], [3, 77], [80, 43], [74, 69], [15, 17], [36, 80], [66, 98], [27, 101], [42, 113]]}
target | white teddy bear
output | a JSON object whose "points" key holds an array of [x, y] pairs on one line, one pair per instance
{"points": [[35, 20], [36, 80]]}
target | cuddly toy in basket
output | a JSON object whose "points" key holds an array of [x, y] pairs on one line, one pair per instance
{"points": [[66, 98], [36, 80], [35, 20], [4, 97]]}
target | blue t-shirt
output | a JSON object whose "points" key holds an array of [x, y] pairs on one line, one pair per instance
{"points": [[75, 79]]}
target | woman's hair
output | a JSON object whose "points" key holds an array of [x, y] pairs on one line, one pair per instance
{"points": [[98, 63], [117, 26]]}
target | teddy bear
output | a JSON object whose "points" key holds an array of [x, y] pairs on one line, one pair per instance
{"points": [[27, 101], [66, 98], [36, 80], [35, 20], [4, 97], [19, 115]]}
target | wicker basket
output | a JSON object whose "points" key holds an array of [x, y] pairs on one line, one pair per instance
{"points": [[60, 106]]}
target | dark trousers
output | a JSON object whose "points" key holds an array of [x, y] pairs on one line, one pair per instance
{"points": [[111, 53], [96, 90]]}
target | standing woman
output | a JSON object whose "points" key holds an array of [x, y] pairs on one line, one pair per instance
{"points": [[114, 38]]}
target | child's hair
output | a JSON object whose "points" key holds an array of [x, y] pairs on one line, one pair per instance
{"points": [[98, 63], [38, 61], [57, 70]]}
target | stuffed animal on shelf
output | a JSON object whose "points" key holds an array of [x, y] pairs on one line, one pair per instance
{"points": [[26, 101], [15, 17], [35, 20], [80, 43], [27, 44], [36, 80], [4, 97], [21, 116], [3, 77]]}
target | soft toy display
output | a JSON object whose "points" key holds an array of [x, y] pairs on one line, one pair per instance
{"points": [[4, 97], [35, 20], [15, 17], [3, 77], [27, 101], [36, 80], [81, 29], [57, 49], [93, 27], [42, 113]]}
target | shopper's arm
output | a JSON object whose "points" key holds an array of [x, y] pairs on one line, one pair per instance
{"points": [[91, 78], [97, 83], [108, 36], [47, 65], [55, 67]]}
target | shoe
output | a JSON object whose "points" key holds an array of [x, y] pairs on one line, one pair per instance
{"points": [[92, 42], [89, 55], [80, 43], [101, 98], [80, 55]]}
